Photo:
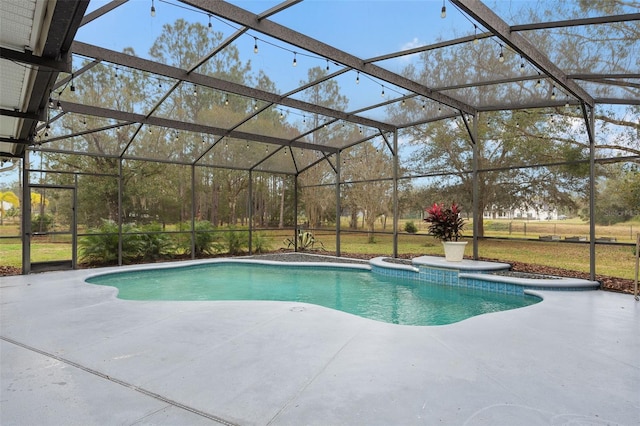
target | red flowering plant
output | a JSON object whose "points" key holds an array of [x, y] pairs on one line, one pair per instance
{"points": [[445, 223]]}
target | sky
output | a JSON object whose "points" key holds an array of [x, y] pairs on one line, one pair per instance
{"points": [[345, 24]]}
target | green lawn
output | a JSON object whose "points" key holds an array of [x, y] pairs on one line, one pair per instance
{"points": [[611, 260]]}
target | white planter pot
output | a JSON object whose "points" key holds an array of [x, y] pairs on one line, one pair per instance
{"points": [[454, 250]]}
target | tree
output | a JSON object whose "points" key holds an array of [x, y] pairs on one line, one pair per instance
{"points": [[526, 157], [316, 198], [10, 198]]}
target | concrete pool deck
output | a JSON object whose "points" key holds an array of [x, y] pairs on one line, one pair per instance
{"points": [[72, 353]]}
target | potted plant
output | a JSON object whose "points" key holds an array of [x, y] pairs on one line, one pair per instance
{"points": [[446, 225]]}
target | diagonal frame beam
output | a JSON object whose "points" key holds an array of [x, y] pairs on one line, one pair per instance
{"points": [[245, 18], [492, 22], [146, 65]]}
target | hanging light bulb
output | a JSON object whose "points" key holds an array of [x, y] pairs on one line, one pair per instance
{"points": [[538, 83], [327, 65], [521, 65], [295, 61], [553, 93], [304, 118], [72, 88], [226, 100], [382, 94], [195, 90], [566, 104], [148, 130], [424, 106], [443, 11], [255, 45], [501, 57], [58, 106], [281, 115], [404, 102], [475, 34], [153, 10], [360, 129], [255, 105], [358, 78], [210, 24]]}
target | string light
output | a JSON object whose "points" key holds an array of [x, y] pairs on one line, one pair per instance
{"points": [[501, 57], [475, 34], [195, 90], [538, 83], [382, 94], [521, 65], [255, 45], [358, 78], [226, 101], [553, 93], [327, 65], [295, 61], [255, 105], [281, 115], [443, 11], [210, 24], [72, 88], [153, 9]]}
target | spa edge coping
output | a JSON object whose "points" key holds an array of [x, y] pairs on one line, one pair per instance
{"points": [[553, 282]]}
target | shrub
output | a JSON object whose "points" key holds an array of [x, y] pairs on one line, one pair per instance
{"points": [[41, 223], [235, 240], [410, 227], [260, 242], [155, 245], [101, 247]]}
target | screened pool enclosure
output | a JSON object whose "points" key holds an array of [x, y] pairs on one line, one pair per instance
{"points": [[221, 125]]}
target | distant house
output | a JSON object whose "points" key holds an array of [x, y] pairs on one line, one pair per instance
{"points": [[540, 212]]}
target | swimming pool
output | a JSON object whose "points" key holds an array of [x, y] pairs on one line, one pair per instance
{"points": [[349, 289]]}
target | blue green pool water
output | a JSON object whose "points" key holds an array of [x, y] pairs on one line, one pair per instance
{"points": [[355, 291]]}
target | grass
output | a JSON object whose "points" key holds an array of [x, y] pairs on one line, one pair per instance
{"points": [[611, 260]]}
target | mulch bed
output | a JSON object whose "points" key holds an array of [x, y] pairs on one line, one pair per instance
{"points": [[608, 283]]}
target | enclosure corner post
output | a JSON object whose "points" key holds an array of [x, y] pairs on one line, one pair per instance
{"points": [[120, 190], [476, 186], [250, 211], [26, 216], [193, 211], [396, 160], [338, 207]]}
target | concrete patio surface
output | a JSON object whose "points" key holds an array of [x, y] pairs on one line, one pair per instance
{"points": [[72, 353]]}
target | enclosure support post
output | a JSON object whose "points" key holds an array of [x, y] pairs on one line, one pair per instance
{"points": [[74, 225], [338, 207], [295, 212], [193, 211], [590, 123], [395, 193], [476, 186], [120, 188], [250, 210], [26, 216]]}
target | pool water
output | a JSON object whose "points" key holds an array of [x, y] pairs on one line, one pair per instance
{"points": [[356, 291]]}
